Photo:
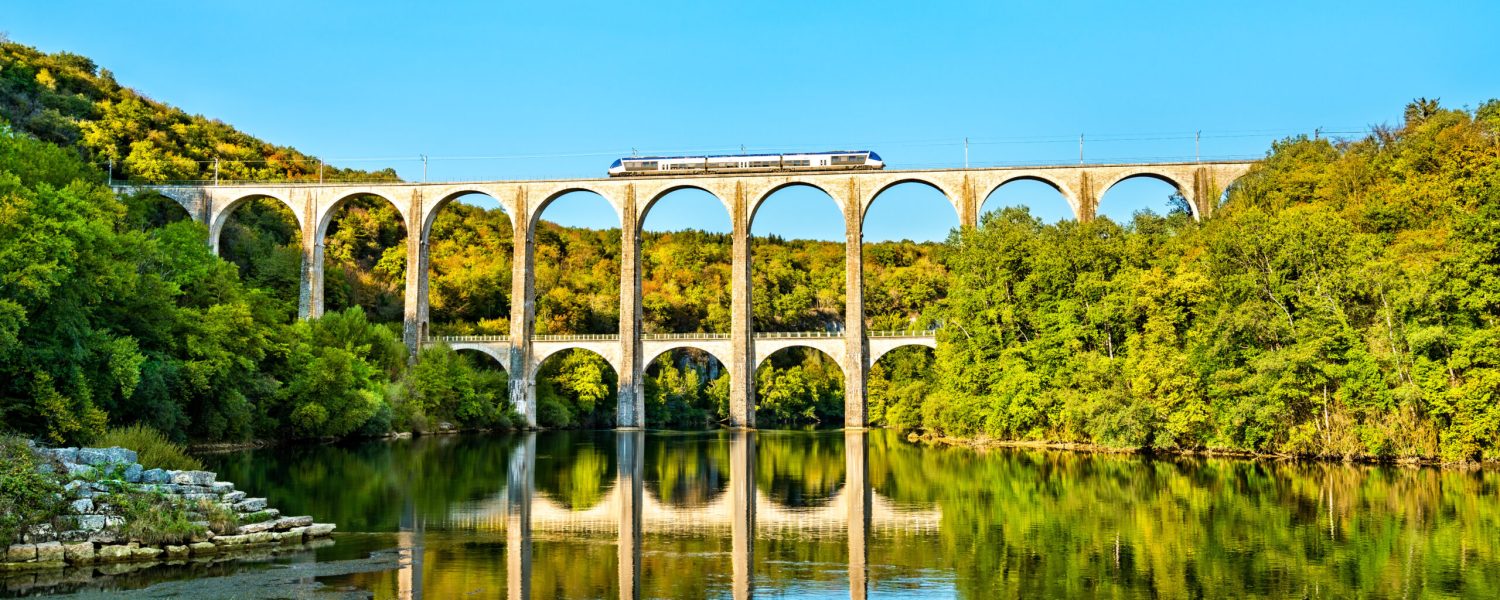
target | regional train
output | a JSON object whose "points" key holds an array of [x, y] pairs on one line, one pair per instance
{"points": [[845, 160]]}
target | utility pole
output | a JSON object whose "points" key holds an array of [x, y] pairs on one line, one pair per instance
{"points": [[111, 172], [320, 171], [1080, 148], [966, 152], [1197, 153], [216, 170], [424, 168]]}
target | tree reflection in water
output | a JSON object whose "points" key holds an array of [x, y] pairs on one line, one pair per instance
{"points": [[606, 514]]}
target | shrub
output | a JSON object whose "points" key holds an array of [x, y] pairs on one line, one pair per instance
{"points": [[30, 489], [222, 520], [154, 518], [153, 450]]}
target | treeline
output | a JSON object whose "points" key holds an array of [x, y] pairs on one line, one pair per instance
{"points": [[67, 100], [1343, 301]]}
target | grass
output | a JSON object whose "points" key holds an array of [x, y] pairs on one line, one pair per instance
{"points": [[28, 496], [223, 521], [153, 518], [153, 450]]}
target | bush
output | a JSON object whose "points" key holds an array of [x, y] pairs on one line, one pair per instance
{"points": [[154, 450], [30, 489], [154, 518]]}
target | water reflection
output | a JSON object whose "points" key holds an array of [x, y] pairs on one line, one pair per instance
{"points": [[780, 514]]}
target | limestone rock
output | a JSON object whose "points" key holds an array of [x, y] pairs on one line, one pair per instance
{"points": [[177, 551], [77, 470], [112, 553], [49, 552], [79, 553], [221, 487], [144, 553], [229, 540], [285, 523], [193, 477], [84, 506], [133, 473], [257, 527], [20, 553], [264, 537], [320, 529], [203, 548], [251, 505], [156, 476], [67, 455], [233, 497]]}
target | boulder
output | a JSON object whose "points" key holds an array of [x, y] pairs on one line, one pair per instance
{"points": [[133, 473], [264, 537], [257, 527], [221, 487], [250, 505], [144, 553], [77, 470], [156, 476], [233, 497], [320, 529], [79, 553], [112, 553], [67, 455], [89, 522], [229, 540], [18, 553], [192, 477], [196, 497], [285, 523], [84, 506], [203, 548], [49, 552], [177, 551]]}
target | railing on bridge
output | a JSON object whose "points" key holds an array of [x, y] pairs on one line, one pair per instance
{"points": [[606, 337]]}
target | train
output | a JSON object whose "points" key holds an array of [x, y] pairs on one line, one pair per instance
{"points": [[838, 160]]}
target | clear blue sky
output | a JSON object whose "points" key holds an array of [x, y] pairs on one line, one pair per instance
{"points": [[573, 85]]}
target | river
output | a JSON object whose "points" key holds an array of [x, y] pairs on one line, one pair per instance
{"points": [[833, 514]]}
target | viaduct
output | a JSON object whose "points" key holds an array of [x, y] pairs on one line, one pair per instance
{"points": [[314, 205]]}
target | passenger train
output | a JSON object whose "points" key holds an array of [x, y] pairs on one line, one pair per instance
{"points": [[844, 160]]}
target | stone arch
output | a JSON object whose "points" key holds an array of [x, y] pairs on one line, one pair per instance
{"points": [[541, 352], [657, 195], [762, 196], [651, 356], [540, 207], [879, 350], [1068, 194], [433, 209], [501, 355], [1184, 188], [221, 215], [950, 195], [833, 348], [326, 212]]}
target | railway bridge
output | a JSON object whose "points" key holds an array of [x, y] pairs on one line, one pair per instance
{"points": [[314, 205]]}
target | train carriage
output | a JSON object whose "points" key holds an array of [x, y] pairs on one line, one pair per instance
{"points": [[844, 160]]}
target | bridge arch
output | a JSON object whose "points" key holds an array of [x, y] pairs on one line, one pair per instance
{"points": [[950, 195], [433, 209], [326, 212], [656, 195], [552, 195], [543, 351], [501, 355], [879, 349], [1068, 195], [1163, 176], [221, 214], [761, 196], [651, 355]]}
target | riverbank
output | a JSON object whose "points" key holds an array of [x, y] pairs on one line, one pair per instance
{"points": [[983, 443], [99, 511]]}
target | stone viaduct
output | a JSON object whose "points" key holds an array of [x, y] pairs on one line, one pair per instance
{"points": [[314, 205]]}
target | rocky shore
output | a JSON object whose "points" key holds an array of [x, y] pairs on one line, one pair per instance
{"points": [[178, 516]]}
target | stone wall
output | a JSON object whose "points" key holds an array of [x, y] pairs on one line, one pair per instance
{"points": [[93, 530]]}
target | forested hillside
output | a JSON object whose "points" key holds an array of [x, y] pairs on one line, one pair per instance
{"points": [[67, 100], [1345, 301]]}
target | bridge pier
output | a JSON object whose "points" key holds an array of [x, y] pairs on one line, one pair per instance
{"points": [[522, 310], [856, 352], [741, 328], [631, 410]]}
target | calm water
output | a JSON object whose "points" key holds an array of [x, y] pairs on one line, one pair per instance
{"points": [[835, 515]]}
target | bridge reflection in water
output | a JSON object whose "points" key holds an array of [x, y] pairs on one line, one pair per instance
{"points": [[854, 511]]}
